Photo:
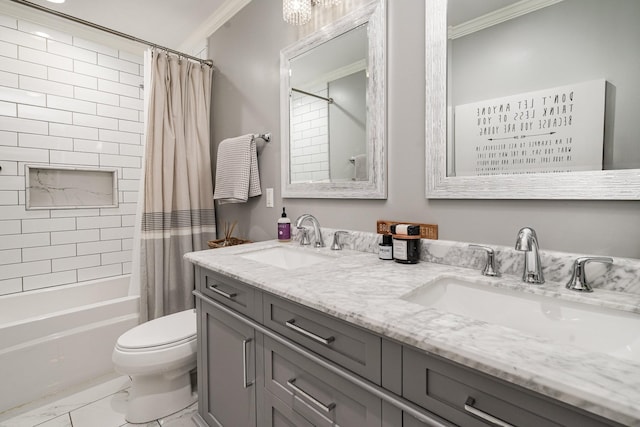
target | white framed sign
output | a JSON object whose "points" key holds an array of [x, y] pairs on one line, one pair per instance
{"points": [[558, 129]]}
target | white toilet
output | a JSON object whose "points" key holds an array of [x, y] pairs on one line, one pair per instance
{"points": [[159, 356]]}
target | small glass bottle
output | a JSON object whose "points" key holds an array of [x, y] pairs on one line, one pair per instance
{"points": [[385, 248]]}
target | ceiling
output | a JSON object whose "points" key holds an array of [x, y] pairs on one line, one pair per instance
{"points": [[169, 23]]}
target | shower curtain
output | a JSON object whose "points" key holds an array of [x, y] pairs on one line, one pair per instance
{"points": [[177, 210]]}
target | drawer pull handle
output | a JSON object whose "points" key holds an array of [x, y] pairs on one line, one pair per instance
{"points": [[215, 289], [245, 383], [291, 324], [468, 406], [326, 408]]}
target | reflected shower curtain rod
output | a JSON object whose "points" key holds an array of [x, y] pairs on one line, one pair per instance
{"points": [[329, 100], [111, 31]]}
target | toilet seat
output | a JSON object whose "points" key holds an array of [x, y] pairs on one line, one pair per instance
{"points": [[157, 346], [163, 332]]}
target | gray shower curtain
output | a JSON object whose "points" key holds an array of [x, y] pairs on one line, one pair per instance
{"points": [[178, 212]]}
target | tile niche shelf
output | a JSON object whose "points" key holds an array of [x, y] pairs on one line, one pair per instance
{"points": [[68, 187]]}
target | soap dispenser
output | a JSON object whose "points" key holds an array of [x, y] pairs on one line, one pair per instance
{"points": [[284, 227]]}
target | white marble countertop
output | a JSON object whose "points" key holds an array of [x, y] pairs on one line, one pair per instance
{"points": [[361, 289]]}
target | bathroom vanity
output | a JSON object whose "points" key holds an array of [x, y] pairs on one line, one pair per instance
{"points": [[340, 338]]}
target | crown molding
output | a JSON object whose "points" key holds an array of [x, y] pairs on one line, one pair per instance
{"points": [[224, 13], [498, 16]]}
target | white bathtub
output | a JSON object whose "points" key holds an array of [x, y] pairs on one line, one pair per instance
{"points": [[57, 337]]}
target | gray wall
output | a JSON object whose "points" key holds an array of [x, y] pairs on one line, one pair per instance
{"points": [[246, 100]]}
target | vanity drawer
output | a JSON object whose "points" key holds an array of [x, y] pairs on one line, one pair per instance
{"points": [[234, 294], [444, 388], [278, 414], [318, 395], [348, 346]]}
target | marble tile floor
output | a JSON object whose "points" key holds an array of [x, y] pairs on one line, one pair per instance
{"points": [[99, 404]]}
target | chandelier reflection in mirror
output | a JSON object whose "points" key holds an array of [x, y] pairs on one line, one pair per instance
{"points": [[298, 12]]}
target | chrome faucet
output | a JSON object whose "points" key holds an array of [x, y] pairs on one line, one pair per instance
{"points": [[489, 268], [337, 245], [528, 243], [578, 281], [316, 229]]}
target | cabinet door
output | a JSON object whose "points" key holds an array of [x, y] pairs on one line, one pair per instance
{"points": [[227, 369]]}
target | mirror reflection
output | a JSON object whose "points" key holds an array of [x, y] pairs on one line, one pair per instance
{"points": [[328, 111], [542, 87], [518, 34], [333, 109]]}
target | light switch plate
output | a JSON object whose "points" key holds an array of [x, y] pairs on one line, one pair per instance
{"points": [[269, 197]]}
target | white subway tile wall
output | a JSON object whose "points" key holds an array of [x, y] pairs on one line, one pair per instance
{"points": [[66, 101], [310, 136]]}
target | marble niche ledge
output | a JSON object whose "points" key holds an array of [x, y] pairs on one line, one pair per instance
{"points": [[60, 187]]}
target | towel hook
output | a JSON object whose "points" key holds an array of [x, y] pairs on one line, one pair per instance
{"points": [[265, 136]]}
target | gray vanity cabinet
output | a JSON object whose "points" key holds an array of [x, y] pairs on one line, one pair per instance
{"points": [[232, 293], [469, 398], [316, 393], [226, 369], [264, 361], [349, 346]]}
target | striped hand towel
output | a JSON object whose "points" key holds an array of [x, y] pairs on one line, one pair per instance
{"points": [[237, 176]]}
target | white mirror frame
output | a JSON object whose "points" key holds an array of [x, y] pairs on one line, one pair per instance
{"points": [[621, 184], [374, 14]]}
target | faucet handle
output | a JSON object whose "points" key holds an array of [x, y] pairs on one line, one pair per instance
{"points": [[578, 281], [489, 268], [336, 245], [304, 240]]}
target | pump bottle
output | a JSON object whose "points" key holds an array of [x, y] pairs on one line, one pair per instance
{"points": [[284, 227]]}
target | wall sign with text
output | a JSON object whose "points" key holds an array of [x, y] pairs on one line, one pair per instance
{"points": [[559, 129]]}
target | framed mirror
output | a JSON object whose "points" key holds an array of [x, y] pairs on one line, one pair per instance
{"points": [[532, 99], [333, 109]]}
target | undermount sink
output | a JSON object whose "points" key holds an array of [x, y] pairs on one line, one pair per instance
{"points": [[286, 257], [592, 328]]}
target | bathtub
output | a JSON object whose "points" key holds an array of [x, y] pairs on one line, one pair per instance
{"points": [[57, 337]]}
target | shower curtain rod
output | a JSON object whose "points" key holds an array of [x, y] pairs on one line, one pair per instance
{"points": [[329, 100], [111, 31]]}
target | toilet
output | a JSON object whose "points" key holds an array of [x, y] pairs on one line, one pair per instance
{"points": [[159, 356]]}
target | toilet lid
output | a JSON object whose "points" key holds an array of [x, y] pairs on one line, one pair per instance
{"points": [[161, 331]]}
